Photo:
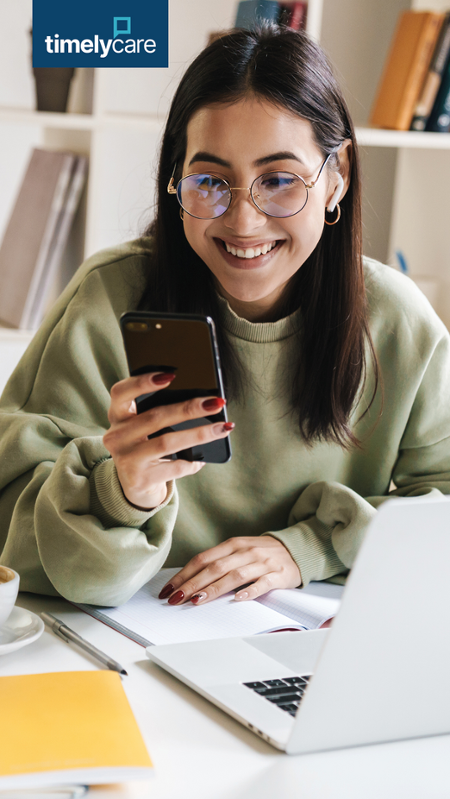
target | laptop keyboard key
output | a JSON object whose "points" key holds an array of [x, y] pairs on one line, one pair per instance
{"points": [[273, 683], [285, 699], [282, 689], [255, 685]]}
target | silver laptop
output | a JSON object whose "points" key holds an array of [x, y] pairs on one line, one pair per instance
{"points": [[380, 673]]}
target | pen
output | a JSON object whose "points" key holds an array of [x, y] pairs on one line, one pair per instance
{"points": [[64, 632]]}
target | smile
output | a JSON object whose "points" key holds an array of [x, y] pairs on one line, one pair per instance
{"points": [[250, 252]]}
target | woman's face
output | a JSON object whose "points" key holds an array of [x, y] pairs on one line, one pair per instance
{"points": [[239, 142]]}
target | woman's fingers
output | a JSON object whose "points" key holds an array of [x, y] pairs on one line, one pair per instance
{"points": [[198, 563], [124, 393], [263, 563], [166, 444], [135, 428]]}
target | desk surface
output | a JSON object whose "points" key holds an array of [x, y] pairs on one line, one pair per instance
{"points": [[201, 753]]}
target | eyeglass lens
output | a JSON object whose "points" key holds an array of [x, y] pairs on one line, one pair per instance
{"points": [[278, 194]]}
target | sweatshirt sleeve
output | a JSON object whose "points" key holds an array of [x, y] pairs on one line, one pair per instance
{"points": [[64, 522], [329, 520]]}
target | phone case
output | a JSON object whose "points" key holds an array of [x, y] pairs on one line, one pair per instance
{"points": [[185, 344]]}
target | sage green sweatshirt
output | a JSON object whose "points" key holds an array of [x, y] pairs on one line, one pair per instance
{"points": [[65, 525]]}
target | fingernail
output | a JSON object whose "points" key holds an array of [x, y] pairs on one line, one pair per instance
{"points": [[241, 596], [163, 378], [176, 598], [199, 597], [223, 428], [166, 591], [213, 404]]}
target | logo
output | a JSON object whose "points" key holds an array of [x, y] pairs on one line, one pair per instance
{"points": [[100, 33]]}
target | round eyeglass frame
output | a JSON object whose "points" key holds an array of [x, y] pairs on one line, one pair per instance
{"points": [[172, 189]]}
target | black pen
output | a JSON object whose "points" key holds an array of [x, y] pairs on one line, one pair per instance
{"points": [[64, 632]]}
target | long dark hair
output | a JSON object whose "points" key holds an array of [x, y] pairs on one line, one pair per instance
{"points": [[289, 70]]}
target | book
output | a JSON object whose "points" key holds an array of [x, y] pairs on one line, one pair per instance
{"points": [[439, 119], [68, 727], [293, 15], [406, 68], [433, 80], [148, 620], [250, 12], [43, 288], [36, 233]]}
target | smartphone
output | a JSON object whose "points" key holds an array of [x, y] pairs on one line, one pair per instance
{"points": [[185, 345]]}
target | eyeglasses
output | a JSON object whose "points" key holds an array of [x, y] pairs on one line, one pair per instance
{"points": [[278, 194]]}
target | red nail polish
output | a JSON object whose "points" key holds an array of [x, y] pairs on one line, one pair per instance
{"points": [[229, 426], [198, 597], [213, 404], [163, 378], [176, 598], [166, 591]]}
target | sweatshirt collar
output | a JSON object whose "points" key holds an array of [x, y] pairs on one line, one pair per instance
{"points": [[258, 332]]}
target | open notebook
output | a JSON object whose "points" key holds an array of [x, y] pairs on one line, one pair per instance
{"points": [[148, 620]]}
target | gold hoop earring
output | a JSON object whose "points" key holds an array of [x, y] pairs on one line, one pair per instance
{"points": [[181, 213], [338, 209]]}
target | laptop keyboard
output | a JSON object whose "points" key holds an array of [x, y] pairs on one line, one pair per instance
{"points": [[286, 693]]}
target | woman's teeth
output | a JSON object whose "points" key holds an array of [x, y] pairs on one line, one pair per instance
{"points": [[251, 252]]}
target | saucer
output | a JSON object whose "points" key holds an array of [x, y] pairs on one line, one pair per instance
{"points": [[21, 628]]}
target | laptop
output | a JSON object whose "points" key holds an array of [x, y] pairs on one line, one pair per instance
{"points": [[380, 673]]}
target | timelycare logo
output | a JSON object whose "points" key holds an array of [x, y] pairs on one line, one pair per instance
{"points": [[100, 33]]}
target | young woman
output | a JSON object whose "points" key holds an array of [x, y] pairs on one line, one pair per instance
{"points": [[337, 371]]}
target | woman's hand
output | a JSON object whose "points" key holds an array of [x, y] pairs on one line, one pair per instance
{"points": [[262, 561], [142, 465]]}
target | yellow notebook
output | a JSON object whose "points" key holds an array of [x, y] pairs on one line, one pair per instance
{"points": [[65, 727]]}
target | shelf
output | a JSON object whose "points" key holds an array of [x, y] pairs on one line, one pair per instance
{"points": [[12, 334], [375, 137], [367, 137], [47, 119]]}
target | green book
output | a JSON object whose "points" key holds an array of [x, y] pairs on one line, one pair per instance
{"points": [[251, 12], [439, 120]]}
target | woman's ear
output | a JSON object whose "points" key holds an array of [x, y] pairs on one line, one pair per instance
{"points": [[337, 194], [341, 179]]}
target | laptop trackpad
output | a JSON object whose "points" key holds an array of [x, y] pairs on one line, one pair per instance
{"points": [[297, 651]]}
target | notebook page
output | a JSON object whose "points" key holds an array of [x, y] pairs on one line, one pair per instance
{"points": [[161, 623], [310, 606]]}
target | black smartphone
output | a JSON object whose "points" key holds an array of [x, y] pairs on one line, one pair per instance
{"points": [[185, 345]]}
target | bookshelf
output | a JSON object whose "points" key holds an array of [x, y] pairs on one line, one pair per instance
{"points": [[116, 117]]}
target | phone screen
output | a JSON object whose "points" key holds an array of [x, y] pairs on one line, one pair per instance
{"points": [[183, 345]]}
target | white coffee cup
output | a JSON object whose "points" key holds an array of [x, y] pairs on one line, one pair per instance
{"points": [[9, 588]]}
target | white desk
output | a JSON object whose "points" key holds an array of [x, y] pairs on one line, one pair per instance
{"points": [[201, 753]]}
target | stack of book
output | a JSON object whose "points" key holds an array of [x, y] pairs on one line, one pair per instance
{"points": [[414, 91], [36, 235], [252, 12]]}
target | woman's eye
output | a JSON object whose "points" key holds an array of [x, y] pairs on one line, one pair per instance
{"points": [[278, 182], [209, 182]]}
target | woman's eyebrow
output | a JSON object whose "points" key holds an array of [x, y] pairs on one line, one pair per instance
{"points": [[283, 155], [212, 159]]}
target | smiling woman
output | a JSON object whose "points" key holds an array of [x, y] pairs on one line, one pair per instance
{"points": [[336, 369]]}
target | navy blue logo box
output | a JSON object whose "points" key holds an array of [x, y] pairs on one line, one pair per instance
{"points": [[100, 33]]}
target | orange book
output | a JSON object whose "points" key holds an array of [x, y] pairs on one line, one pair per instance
{"points": [[68, 727], [406, 69]]}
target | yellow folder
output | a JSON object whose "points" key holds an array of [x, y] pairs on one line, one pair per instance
{"points": [[68, 727]]}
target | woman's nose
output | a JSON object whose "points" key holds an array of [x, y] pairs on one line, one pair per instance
{"points": [[243, 215]]}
